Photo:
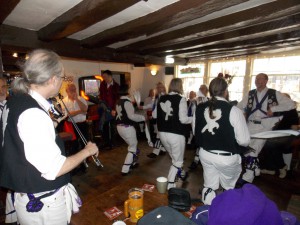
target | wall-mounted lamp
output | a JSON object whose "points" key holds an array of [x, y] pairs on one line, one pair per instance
{"points": [[153, 72], [15, 55]]}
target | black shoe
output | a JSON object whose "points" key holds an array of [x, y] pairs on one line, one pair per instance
{"points": [[240, 183], [152, 155], [124, 174], [162, 153], [193, 166]]}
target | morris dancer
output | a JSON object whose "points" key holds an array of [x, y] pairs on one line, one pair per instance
{"points": [[259, 106], [219, 129], [172, 125], [32, 155], [126, 119], [158, 147]]}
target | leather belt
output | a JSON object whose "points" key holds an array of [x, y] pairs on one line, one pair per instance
{"points": [[221, 153], [123, 125], [255, 121]]}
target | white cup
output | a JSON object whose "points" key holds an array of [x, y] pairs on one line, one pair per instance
{"points": [[161, 184], [119, 222]]}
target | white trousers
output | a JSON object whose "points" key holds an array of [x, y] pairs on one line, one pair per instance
{"points": [[57, 209], [266, 125], [54, 211], [129, 136], [10, 212], [218, 169], [175, 145]]}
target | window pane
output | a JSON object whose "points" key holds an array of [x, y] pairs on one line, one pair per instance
{"points": [[233, 68], [283, 73]]}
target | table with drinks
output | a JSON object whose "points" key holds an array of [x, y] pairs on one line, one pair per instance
{"points": [[93, 211]]}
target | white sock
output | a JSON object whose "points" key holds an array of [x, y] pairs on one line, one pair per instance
{"points": [[287, 159]]}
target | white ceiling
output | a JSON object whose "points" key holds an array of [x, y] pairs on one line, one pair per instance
{"points": [[35, 14]]}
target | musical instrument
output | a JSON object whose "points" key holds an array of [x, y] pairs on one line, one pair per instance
{"points": [[95, 159]]}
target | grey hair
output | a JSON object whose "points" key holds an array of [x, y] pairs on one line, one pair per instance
{"points": [[41, 65], [176, 86]]}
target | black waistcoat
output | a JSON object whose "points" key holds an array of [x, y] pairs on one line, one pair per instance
{"points": [[16, 173], [218, 133], [122, 118], [168, 115]]}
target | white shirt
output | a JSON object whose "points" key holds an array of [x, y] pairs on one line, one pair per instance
{"points": [[73, 106], [238, 122], [130, 111], [183, 118], [284, 104], [37, 132], [2, 104], [148, 103]]}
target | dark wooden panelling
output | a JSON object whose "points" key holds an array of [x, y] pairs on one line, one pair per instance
{"points": [[167, 17], [6, 7], [81, 16]]}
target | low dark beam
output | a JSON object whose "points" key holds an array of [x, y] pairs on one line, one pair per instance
{"points": [[1, 64], [283, 25], [6, 7], [167, 17], [81, 16], [13, 38], [256, 15], [288, 37]]}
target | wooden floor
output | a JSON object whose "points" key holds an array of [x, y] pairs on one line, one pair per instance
{"points": [[99, 180]]}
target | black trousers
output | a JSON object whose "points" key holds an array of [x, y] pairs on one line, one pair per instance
{"points": [[271, 158], [78, 144], [109, 132]]}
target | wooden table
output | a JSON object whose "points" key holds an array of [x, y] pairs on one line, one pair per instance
{"points": [[92, 212]]}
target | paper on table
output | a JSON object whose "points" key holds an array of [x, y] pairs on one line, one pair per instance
{"points": [[112, 213], [275, 133], [148, 187]]}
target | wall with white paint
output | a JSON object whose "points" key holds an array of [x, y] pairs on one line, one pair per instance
{"points": [[141, 78]]}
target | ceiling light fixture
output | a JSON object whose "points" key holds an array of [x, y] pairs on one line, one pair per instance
{"points": [[15, 55], [169, 60]]}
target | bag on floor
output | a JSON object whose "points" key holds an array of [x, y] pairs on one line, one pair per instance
{"points": [[179, 199], [164, 215]]}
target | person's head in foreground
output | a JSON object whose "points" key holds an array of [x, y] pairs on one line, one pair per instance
{"points": [[244, 206]]}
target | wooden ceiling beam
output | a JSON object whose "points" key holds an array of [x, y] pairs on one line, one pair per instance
{"points": [[81, 16], [167, 17], [288, 37], [256, 15], [282, 25], [13, 38], [6, 7]]}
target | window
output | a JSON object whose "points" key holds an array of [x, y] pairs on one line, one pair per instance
{"points": [[236, 69], [192, 77], [283, 73]]}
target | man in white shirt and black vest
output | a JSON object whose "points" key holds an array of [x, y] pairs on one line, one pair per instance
{"points": [[260, 106], [220, 130], [126, 119], [32, 160]]}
